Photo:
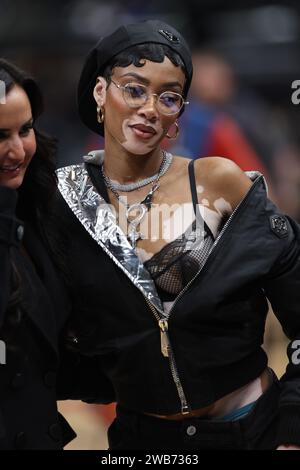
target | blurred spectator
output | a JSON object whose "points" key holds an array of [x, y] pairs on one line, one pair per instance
{"points": [[224, 120]]}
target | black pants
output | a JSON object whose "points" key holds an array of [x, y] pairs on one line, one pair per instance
{"points": [[131, 430]]}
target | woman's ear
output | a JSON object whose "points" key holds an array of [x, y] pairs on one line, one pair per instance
{"points": [[100, 91]]}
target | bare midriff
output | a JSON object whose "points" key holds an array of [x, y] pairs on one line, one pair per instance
{"points": [[233, 401]]}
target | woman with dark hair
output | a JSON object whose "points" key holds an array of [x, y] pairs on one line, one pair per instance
{"points": [[172, 261], [33, 303]]}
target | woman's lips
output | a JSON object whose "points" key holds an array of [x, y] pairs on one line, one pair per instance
{"points": [[144, 132], [11, 170]]}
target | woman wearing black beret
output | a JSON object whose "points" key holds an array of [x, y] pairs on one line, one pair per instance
{"points": [[172, 261]]}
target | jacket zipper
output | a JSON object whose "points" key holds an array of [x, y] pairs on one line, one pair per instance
{"points": [[163, 320], [167, 351]]}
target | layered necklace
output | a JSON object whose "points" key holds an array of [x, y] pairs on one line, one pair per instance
{"points": [[136, 212]]}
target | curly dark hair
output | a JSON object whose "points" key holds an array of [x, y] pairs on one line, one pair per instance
{"points": [[137, 55]]}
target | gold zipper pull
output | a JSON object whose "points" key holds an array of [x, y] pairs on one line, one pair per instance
{"points": [[164, 340]]}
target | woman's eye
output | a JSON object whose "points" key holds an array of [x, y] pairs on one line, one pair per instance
{"points": [[25, 130], [170, 98], [135, 91]]}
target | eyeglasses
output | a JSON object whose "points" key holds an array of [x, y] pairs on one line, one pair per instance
{"points": [[136, 95]]}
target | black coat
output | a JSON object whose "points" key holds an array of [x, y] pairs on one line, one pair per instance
{"points": [[216, 325], [28, 411]]}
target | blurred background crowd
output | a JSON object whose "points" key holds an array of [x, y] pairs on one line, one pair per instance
{"points": [[246, 56]]}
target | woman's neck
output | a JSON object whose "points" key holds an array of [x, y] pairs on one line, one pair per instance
{"points": [[126, 167]]}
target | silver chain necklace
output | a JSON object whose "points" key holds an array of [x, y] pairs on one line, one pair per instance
{"points": [[127, 187], [138, 208]]}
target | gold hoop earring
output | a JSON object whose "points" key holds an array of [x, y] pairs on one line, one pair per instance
{"points": [[100, 115], [173, 137]]}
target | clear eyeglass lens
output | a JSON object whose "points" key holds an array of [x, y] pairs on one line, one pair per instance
{"points": [[135, 95], [168, 102]]}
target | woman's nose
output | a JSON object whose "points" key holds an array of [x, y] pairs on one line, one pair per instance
{"points": [[149, 109], [16, 147]]}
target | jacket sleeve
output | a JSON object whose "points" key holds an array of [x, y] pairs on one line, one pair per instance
{"points": [[11, 232], [282, 287]]}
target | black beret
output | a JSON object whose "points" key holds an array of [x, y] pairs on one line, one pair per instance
{"points": [[152, 31]]}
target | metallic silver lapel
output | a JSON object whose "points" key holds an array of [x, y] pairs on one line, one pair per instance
{"points": [[99, 220]]}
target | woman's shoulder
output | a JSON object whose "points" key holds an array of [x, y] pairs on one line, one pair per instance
{"points": [[216, 166], [212, 165], [215, 169], [223, 177]]}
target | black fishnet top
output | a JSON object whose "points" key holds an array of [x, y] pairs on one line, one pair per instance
{"points": [[179, 261]]}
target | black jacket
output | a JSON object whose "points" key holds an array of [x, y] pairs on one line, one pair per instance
{"points": [[29, 338], [216, 326]]}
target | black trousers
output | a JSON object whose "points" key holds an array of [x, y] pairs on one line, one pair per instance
{"points": [[131, 430]]}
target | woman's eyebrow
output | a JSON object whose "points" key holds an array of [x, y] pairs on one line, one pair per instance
{"points": [[30, 121], [147, 82], [137, 76], [172, 84]]}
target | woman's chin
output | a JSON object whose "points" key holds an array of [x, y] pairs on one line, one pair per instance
{"points": [[12, 183], [138, 149]]}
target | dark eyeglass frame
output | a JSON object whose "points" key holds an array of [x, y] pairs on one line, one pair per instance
{"points": [[147, 95]]}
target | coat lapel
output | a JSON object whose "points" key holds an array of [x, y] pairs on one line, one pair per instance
{"points": [[99, 220]]}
